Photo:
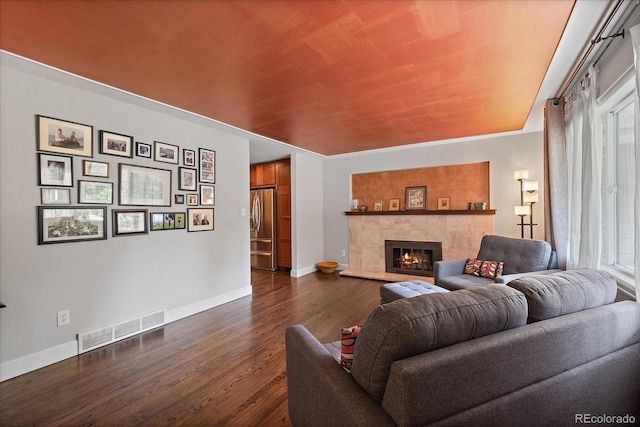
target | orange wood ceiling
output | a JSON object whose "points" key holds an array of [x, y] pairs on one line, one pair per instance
{"points": [[328, 76]]}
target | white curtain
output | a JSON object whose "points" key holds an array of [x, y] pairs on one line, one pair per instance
{"points": [[584, 165], [635, 40]]}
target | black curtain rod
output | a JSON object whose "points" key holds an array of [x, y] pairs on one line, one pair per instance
{"points": [[599, 39]]}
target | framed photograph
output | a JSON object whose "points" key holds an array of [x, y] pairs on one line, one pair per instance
{"points": [[377, 206], [187, 179], [144, 186], [207, 194], [189, 158], [71, 224], [168, 220], [55, 196], [143, 150], [93, 168], [179, 199], [207, 166], [94, 192], [394, 204], [200, 219], [64, 137], [192, 200], [116, 144], [130, 222], [416, 198], [55, 170], [444, 203], [167, 153]]}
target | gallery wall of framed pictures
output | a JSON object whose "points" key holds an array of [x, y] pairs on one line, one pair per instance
{"points": [[126, 187]]}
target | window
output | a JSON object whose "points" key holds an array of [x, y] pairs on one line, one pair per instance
{"points": [[617, 114]]}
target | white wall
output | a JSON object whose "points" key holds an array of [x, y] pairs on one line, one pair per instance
{"points": [[505, 154], [307, 231], [103, 282]]}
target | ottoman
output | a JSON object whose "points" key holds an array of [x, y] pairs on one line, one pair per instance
{"points": [[393, 291]]}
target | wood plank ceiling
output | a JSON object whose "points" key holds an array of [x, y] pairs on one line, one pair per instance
{"points": [[328, 76]]}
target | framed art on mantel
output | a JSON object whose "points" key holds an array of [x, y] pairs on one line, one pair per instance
{"points": [[416, 198], [64, 137]]}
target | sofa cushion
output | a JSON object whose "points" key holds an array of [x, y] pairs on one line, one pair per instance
{"points": [[412, 326], [518, 255], [463, 281], [557, 294], [472, 266], [491, 269]]}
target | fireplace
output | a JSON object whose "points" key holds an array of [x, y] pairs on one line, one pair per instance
{"points": [[415, 258]]}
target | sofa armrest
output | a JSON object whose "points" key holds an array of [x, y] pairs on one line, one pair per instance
{"points": [[320, 391], [509, 277], [448, 268]]}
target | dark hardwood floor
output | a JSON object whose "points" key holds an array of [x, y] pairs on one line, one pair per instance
{"points": [[221, 367]]}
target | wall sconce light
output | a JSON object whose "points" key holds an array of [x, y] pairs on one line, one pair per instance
{"points": [[528, 197]]}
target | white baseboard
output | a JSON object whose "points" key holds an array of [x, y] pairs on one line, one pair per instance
{"points": [[312, 268], [31, 362], [38, 360]]}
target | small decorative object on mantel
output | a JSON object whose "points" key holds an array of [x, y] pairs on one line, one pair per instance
{"points": [[327, 267], [362, 208], [416, 198], [444, 203], [378, 206], [480, 206], [354, 204]]}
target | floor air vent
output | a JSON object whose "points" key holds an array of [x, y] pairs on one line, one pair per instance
{"points": [[99, 337]]}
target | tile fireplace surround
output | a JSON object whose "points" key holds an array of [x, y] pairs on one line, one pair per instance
{"points": [[459, 231]]}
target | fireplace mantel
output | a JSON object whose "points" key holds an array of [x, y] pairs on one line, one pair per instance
{"points": [[463, 212], [459, 231]]}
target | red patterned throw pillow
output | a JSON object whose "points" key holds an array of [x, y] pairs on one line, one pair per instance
{"points": [[491, 269], [349, 336], [472, 266]]}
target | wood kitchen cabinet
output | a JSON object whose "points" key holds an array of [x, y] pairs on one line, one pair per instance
{"points": [[262, 175], [283, 213]]}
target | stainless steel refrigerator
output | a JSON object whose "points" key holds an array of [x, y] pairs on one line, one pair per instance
{"points": [[262, 218]]}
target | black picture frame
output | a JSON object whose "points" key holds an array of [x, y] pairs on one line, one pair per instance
{"points": [[71, 224], [189, 157], [143, 186], [116, 144], [166, 153], [187, 179], [207, 166], [55, 170], [143, 150], [130, 222], [167, 221]]}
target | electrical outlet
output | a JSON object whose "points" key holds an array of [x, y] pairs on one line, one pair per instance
{"points": [[64, 318], [344, 253]]}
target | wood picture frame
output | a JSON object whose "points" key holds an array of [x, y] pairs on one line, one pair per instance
{"points": [[55, 170], [416, 198], [55, 196], [377, 206], [130, 222], [192, 200], [116, 144], [187, 179], [207, 195], [143, 150], [200, 219], [71, 224], [444, 203], [207, 166], [166, 153], [95, 192], [394, 204], [64, 137], [95, 169], [143, 186]]}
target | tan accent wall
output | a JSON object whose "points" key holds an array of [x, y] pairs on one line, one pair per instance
{"points": [[462, 183]]}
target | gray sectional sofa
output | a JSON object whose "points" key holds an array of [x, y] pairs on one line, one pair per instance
{"points": [[542, 350], [521, 257]]}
